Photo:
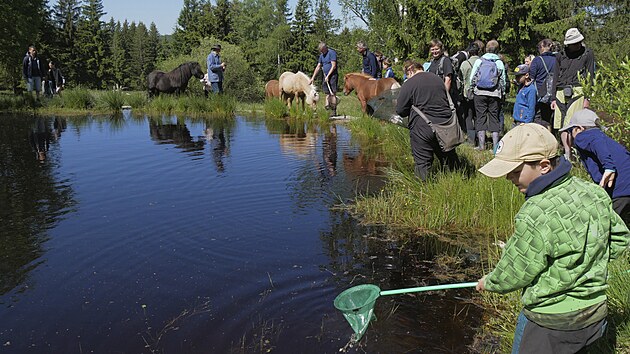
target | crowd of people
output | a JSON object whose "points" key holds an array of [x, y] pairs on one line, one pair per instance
{"points": [[568, 229]]}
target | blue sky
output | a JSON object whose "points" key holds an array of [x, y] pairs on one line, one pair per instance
{"points": [[163, 12]]}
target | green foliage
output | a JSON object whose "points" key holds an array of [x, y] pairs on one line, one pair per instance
{"points": [[610, 94], [163, 104], [78, 98]]}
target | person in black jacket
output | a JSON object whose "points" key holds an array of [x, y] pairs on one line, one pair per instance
{"points": [[370, 63], [427, 92], [575, 62], [33, 70]]}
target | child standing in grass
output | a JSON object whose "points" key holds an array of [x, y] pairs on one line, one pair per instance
{"points": [[525, 105], [607, 161], [564, 236]]}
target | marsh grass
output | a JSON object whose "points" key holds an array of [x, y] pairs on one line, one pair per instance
{"points": [[274, 108], [11, 102], [111, 101], [78, 98], [137, 100]]}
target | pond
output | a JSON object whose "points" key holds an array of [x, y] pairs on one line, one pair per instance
{"points": [[143, 235]]}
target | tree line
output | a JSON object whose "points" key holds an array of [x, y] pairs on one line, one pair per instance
{"points": [[274, 38]]}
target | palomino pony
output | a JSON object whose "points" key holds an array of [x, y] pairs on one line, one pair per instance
{"points": [[174, 81], [297, 86], [272, 89], [367, 87]]}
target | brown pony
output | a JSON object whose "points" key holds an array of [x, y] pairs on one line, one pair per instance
{"points": [[367, 87], [272, 90]]}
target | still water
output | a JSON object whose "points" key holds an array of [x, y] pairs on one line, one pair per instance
{"points": [[165, 235]]}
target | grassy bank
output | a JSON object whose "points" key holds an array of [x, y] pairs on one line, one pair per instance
{"points": [[80, 101]]}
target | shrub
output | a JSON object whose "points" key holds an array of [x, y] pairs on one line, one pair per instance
{"points": [[609, 94]]}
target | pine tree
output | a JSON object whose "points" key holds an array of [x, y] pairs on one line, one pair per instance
{"points": [[90, 44], [325, 25], [187, 33], [303, 48], [66, 15], [223, 20]]}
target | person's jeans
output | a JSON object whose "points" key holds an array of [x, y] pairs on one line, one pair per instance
{"points": [[34, 83]]}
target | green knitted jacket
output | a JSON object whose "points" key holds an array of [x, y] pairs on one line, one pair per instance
{"points": [[559, 252]]}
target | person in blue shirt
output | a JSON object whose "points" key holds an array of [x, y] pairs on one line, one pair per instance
{"points": [[215, 69], [607, 161], [327, 62], [370, 64], [525, 105]]}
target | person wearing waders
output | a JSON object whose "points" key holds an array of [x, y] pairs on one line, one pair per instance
{"points": [[565, 234]]}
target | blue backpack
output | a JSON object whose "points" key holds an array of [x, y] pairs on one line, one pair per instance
{"points": [[487, 75]]}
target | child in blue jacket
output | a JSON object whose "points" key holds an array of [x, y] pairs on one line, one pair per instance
{"points": [[525, 105], [607, 161]]}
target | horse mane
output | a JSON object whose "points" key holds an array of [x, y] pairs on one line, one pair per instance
{"points": [[367, 76]]}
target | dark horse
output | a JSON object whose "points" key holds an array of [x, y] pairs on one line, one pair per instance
{"points": [[175, 80]]}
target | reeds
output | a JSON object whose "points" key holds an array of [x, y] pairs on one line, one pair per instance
{"points": [[78, 98]]}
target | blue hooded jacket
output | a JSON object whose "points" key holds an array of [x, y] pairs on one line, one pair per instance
{"points": [[598, 152]]}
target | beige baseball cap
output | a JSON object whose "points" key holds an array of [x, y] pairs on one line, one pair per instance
{"points": [[525, 143]]}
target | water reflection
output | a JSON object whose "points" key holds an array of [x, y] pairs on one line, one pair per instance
{"points": [[33, 198], [218, 133], [176, 134]]}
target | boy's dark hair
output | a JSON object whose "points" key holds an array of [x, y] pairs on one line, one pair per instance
{"points": [[545, 43], [473, 49]]}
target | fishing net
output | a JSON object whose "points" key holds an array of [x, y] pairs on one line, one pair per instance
{"points": [[357, 306], [383, 107]]}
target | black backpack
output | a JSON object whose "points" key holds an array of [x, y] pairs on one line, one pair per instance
{"points": [[547, 85]]}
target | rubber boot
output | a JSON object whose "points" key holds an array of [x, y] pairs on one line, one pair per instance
{"points": [[495, 140], [472, 135], [481, 135]]}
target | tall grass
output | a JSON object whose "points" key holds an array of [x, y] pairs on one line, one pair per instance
{"points": [[11, 102], [111, 101], [137, 100], [78, 98], [274, 108]]}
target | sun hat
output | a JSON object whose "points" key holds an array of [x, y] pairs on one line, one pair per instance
{"points": [[573, 36], [582, 118], [527, 142], [216, 46], [521, 69]]}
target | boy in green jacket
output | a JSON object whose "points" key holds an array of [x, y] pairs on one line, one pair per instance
{"points": [[564, 235]]}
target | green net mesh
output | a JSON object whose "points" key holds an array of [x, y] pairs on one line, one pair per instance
{"points": [[383, 107], [357, 306]]}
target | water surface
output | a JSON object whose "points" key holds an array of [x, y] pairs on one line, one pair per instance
{"points": [[136, 235]]}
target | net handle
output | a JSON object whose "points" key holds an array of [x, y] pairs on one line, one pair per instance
{"points": [[429, 288]]}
